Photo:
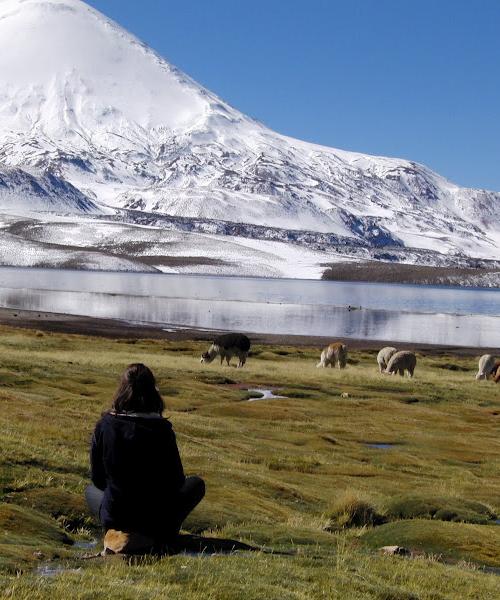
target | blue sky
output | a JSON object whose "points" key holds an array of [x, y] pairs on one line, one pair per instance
{"points": [[413, 79]]}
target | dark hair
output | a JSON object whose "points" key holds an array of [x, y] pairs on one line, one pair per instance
{"points": [[137, 391]]}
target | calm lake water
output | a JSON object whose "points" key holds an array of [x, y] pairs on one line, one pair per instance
{"points": [[407, 313]]}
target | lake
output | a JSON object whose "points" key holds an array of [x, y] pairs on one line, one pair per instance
{"points": [[406, 313]]}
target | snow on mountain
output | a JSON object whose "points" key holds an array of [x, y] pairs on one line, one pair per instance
{"points": [[102, 123]]}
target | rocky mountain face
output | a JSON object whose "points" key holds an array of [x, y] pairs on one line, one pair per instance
{"points": [[94, 123]]}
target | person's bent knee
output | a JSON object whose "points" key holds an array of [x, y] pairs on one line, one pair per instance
{"points": [[197, 485], [200, 485], [203, 487], [93, 497]]}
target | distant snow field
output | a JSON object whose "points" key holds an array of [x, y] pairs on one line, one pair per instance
{"points": [[88, 244], [111, 158]]}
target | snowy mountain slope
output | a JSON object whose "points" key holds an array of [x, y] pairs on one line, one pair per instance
{"points": [[25, 192], [102, 243], [86, 103], [87, 243]]}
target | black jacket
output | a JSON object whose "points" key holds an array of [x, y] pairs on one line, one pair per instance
{"points": [[136, 462]]}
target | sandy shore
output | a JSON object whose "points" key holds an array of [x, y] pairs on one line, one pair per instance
{"points": [[111, 328]]}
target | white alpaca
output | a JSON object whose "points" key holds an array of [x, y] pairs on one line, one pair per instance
{"points": [[384, 356], [486, 364]]}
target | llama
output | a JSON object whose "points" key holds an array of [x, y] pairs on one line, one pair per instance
{"points": [[226, 346], [384, 356], [335, 353], [402, 361]]}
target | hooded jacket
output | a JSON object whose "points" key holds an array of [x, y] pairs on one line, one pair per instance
{"points": [[135, 461]]}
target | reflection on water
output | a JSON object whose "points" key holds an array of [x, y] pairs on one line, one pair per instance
{"points": [[261, 317], [264, 395]]}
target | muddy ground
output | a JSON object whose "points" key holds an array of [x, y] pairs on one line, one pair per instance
{"points": [[110, 328]]}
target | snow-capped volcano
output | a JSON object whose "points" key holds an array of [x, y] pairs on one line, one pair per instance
{"points": [[121, 130]]}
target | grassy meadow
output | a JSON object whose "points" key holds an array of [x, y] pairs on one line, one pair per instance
{"points": [[302, 477]]}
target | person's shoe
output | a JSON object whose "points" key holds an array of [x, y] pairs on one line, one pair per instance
{"points": [[123, 542]]}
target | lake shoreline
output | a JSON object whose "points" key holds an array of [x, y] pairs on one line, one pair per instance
{"points": [[282, 308], [118, 329], [409, 274]]}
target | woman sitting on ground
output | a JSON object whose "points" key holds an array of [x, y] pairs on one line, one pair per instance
{"points": [[139, 488]]}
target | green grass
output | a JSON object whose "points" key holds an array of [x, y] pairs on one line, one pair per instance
{"points": [[477, 543], [279, 473]]}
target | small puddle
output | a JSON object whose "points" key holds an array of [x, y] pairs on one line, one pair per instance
{"points": [[264, 395], [54, 570], [491, 570], [57, 568], [85, 544], [380, 446], [201, 554]]}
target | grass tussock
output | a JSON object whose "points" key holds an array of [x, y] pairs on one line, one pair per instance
{"points": [[297, 393], [19, 522], [352, 511], [298, 464], [441, 508], [68, 508]]}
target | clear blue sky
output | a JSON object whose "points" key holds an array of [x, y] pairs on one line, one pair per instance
{"points": [[418, 79]]}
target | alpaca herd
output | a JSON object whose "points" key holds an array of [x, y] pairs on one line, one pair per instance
{"points": [[390, 360]]}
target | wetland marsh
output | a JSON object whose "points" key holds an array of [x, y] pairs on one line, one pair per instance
{"points": [[299, 475]]}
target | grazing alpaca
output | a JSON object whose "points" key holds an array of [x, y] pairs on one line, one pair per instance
{"points": [[496, 375], [401, 361], [226, 346], [335, 353], [384, 356], [486, 364]]}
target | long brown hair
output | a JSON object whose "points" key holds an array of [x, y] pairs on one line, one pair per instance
{"points": [[137, 391]]}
